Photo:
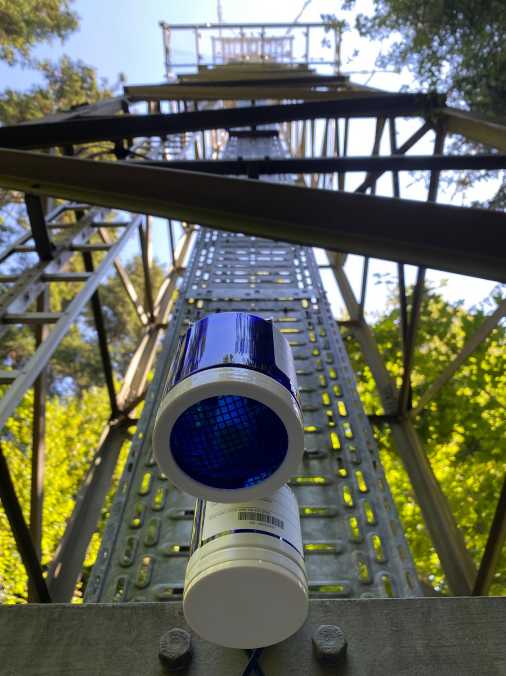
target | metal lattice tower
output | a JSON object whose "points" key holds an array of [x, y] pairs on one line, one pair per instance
{"points": [[181, 151], [352, 536]]}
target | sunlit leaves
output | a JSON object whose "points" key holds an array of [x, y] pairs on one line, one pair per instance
{"points": [[24, 23], [463, 428], [73, 430], [455, 46]]}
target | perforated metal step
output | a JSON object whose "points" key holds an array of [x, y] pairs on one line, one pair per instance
{"points": [[354, 544]]}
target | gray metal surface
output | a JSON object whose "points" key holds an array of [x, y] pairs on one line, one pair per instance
{"points": [[353, 540], [403, 637]]}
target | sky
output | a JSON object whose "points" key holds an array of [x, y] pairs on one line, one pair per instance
{"points": [[124, 36]]}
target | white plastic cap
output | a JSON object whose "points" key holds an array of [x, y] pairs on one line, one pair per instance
{"points": [[241, 382], [247, 602], [245, 583]]}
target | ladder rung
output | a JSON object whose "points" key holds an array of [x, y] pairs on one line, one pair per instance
{"points": [[25, 249], [75, 206], [8, 278], [111, 224], [31, 318], [65, 276], [7, 377], [90, 247], [348, 322]]}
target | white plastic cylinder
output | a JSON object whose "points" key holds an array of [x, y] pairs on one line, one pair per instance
{"points": [[246, 584]]}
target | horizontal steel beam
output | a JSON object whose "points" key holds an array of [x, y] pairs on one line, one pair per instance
{"points": [[433, 235], [303, 63], [372, 177], [474, 127], [31, 318], [440, 636], [244, 92], [117, 127], [330, 165], [7, 377], [270, 78], [89, 248], [105, 107], [30, 248], [231, 26], [65, 276]]}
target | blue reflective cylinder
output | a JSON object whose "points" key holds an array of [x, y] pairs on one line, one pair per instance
{"points": [[231, 441], [235, 339]]}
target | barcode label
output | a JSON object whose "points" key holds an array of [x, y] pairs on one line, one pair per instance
{"points": [[260, 518]]}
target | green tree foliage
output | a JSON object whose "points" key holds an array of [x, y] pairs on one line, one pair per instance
{"points": [[456, 46], [463, 428], [77, 411], [25, 23], [453, 45], [78, 406], [74, 425], [65, 84]]}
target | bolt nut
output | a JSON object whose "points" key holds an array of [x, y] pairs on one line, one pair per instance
{"points": [[329, 644], [175, 649]]}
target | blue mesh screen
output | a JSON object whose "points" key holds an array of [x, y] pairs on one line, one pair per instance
{"points": [[229, 441]]}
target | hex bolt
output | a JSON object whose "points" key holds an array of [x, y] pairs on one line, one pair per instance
{"points": [[329, 644], [175, 649]]}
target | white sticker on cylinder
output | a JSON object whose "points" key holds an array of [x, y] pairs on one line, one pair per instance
{"points": [[277, 515]]}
